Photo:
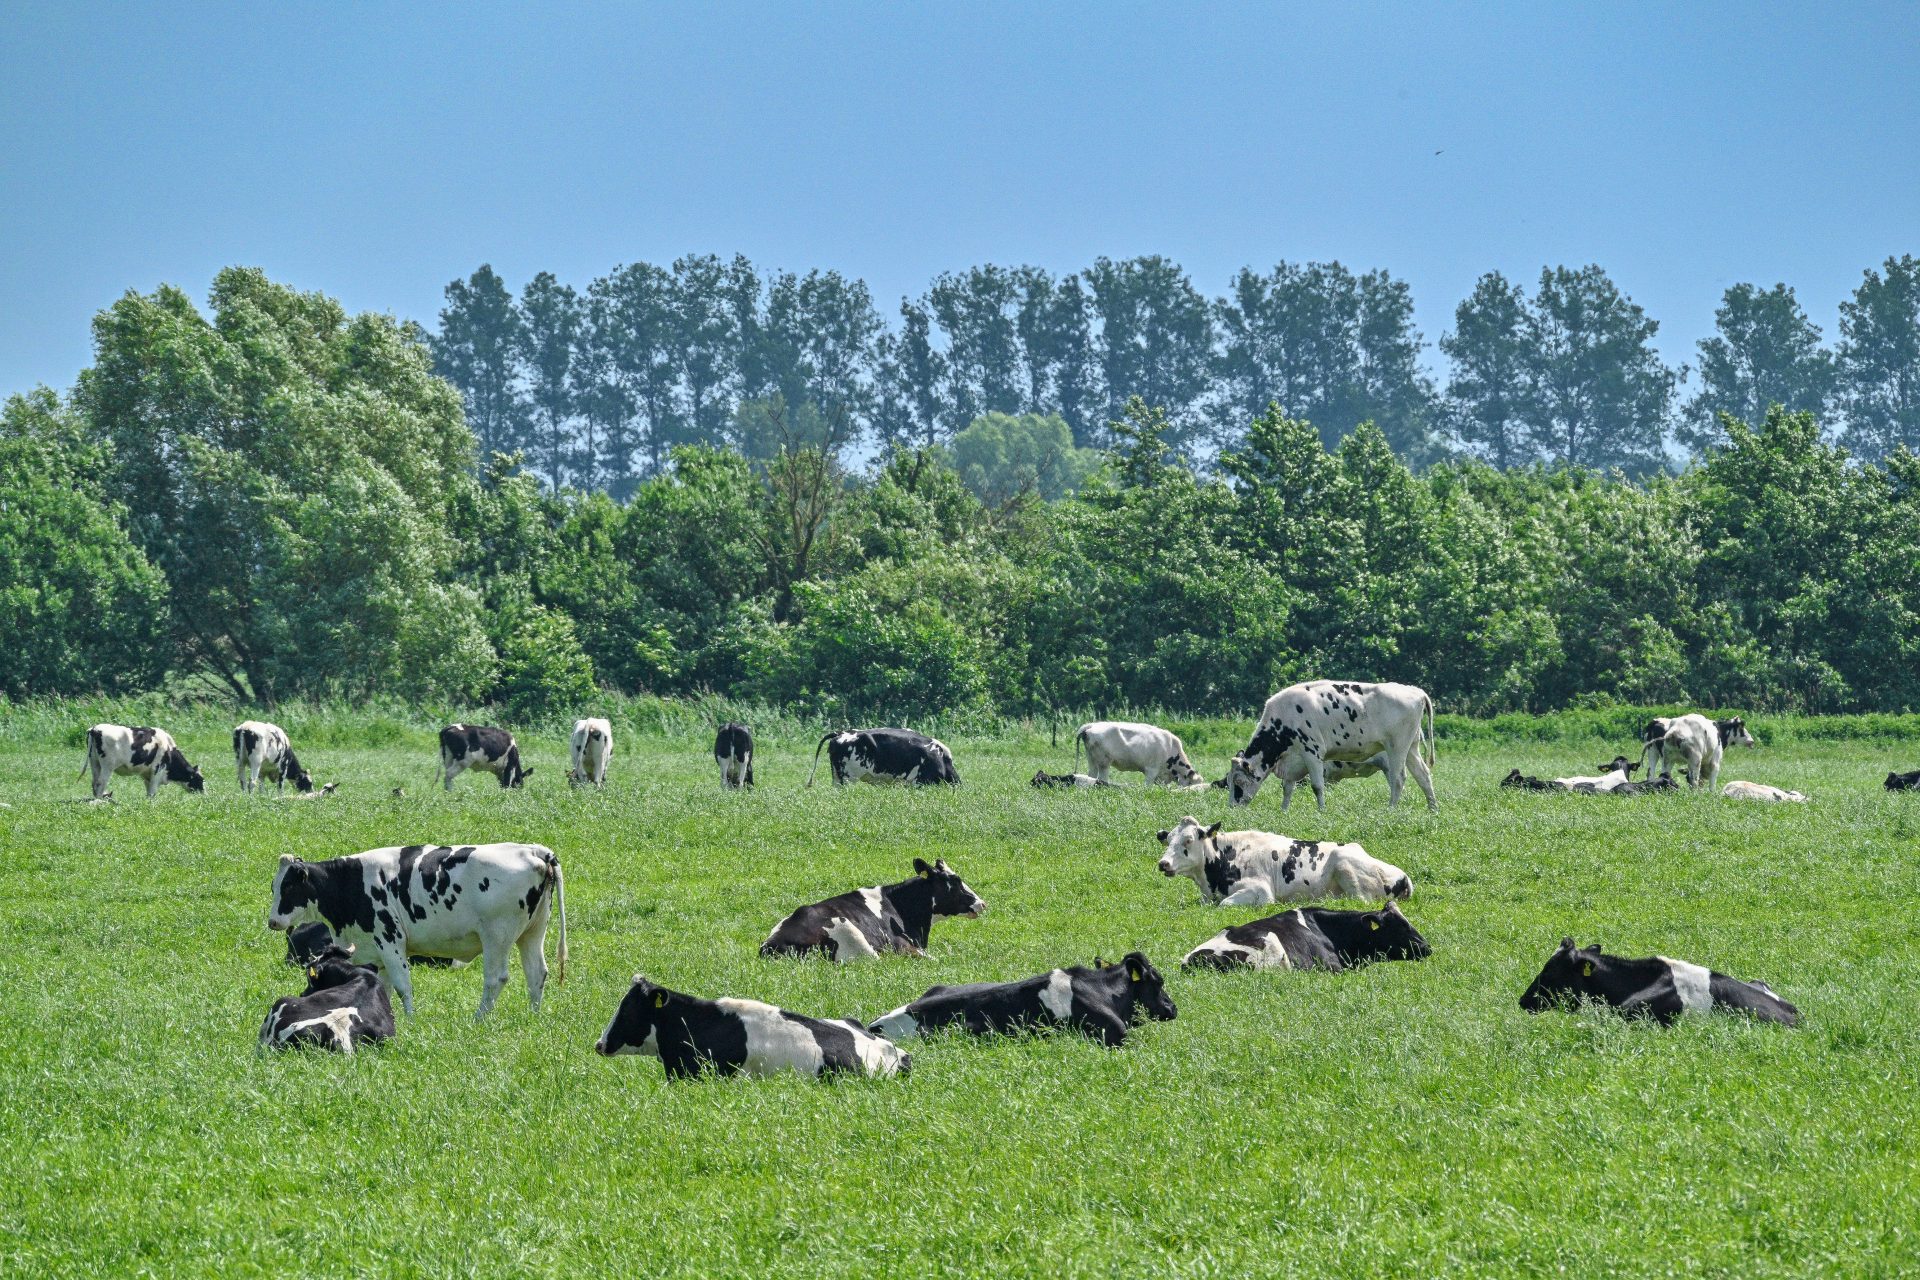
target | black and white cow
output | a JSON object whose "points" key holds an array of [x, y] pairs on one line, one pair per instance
{"points": [[1135, 748], [1616, 774], [1101, 1001], [343, 1007], [1693, 740], [1048, 781], [262, 748], [142, 752], [1904, 781], [885, 756], [1305, 726], [1525, 782], [591, 744], [1654, 987], [741, 1037], [457, 902], [479, 746], [1252, 868], [886, 917], [733, 752], [1312, 938]]}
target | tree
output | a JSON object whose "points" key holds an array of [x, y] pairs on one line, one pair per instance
{"points": [[552, 319], [977, 311], [1490, 385], [1880, 359], [1156, 340], [635, 325], [478, 349], [1599, 393], [1001, 457], [708, 343], [911, 406], [1764, 352], [818, 343]]}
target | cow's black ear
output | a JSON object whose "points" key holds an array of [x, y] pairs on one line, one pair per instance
{"points": [[1163, 835], [1566, 944], [921, 869], [1213, 830], [1134, 973]]}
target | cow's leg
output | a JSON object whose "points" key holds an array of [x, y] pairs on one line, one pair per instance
{"points": [[153, 782], [1251, 893], [493, 964], [1106, 1025], [1417, 766], [533, 961], [240, 765], [399, 978], [1396, 776], [101, 776], [1286, 792], [450, 769], [1317, 775]]}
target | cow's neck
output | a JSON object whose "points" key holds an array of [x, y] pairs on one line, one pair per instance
{"points": [[1218, 865], [1640, 971], [913, 899]]}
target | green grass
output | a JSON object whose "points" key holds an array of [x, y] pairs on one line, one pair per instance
{"points": [[1406, 1119]]}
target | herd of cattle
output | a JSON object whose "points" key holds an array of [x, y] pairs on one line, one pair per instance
{"points": [[454, 904]]}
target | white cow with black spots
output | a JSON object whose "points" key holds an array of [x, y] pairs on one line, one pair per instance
{"points": [[1306, 727], [1251, 868]]}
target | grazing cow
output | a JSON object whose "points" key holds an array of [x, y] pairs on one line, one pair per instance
{"points": [[1612, 775], [1524, 782], [885, 756], [1101, 1002], [1760, 791], [733, 752], [142, 752], [592, 743], [1312, 938], [1044, 780], [887, 917], [259, 747], [343, 1007], [1904, 781], [434, 900], [479, 746], [1135, 748], [1655, 987], [741, 1037], [1694, 740], [1305, 727], [1251, 868]]}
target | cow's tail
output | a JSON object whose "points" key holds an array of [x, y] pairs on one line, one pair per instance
{"points": [[816, 755], [1079, 742], [95, 750], [1647, 749], [560, 906], [1433, 758]]}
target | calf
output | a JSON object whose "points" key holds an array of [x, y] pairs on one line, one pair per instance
{"points": [[259, 747], [1305, 727], [1101, 1002], [143, 752], [592, 744], [892, 917], [1904, 781], [1655, 987], [1522, 782], [479, 746], [1312, 938], [1046, 780], [885, 756], [1251, 868], [1760, 791], [741, 1037], [1135, 748], [733, 752], [343, 1007], [1694, 740], [434, 900]]}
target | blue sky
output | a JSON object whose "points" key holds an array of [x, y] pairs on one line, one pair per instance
{"points": [[376, 154]]}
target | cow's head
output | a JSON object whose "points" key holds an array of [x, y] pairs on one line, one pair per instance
{"points": [[178, 770], [307, 943], [1147, 988], [1514, 779], [1393, 937], [1187, 847], [1042, 778], [951, 896], [635, 1025], [1619, 764], [303, 781], [1733, 733], [1569, 973], [294, 893], [945, 772], [1181, 770], [1244, 776], [576, 777]]}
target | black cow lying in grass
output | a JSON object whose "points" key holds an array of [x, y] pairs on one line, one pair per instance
{"points": [[1101, 1001], [1312, 938], [344, 1006], [740, 1037], [1654, 987], [1524, 782], [1904, 781]]}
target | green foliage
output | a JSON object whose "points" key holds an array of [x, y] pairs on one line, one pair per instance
{"points": [[1002, 457], [543, 670]]}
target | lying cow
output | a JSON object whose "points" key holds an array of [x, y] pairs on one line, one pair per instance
{"points": [[1312, 938], [741, 1037], [1135, 748], [733, 752], [1046, 780], [1904, 781], [142, 752], [434, 900], [343, 1007], [1760, 791], [1525, 782], [482, 747], [262, 748], [1251, 868], [1306, 727], [1102, 1001], [889, 917], [885, 756], [1655, 987], [1695, 741], [592, 746], [1610, 776]]}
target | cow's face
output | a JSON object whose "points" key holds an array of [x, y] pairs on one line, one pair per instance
{"points": [[951, 896], [1394, 936], [302, 780], [1186, 847], [178, 770], [634, 1028], [293, 893], [1733, 733], [1181, 770], [1243, 780], [1513, 780], [1619, 764], [1148, 988], [1569, 971]]}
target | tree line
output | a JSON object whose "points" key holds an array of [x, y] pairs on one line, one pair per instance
{"points": [[597, 387]]}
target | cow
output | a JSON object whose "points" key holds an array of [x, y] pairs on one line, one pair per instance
{"points": [[1611, 775], [733, 752], [1048, 781], [1524, 782], [1903, 781], [1295, 773], [1304, 727], [434, 900], [1654, 987], [343, 1007], [1101, 1002], [886, 917], [741, 1037], [143, 752], [1312, 938], [1252, 868], [1760, 791], [1693, 740], [479, 746], [592, 745], [1135, 748], [259, 747], [885, 756]]}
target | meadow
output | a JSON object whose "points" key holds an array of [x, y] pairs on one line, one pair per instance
{"points": [[1404, 1119]]}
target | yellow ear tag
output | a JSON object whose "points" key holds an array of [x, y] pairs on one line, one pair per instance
{"points": [[1587, 968], [1133, 974], [313, 971], [1373, 924], [923, 874], [659, 1001]]}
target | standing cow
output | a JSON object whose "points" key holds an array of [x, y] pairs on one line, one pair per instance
{"points": [[885, 756], [1135, 748], [142, 752], [592, 744], [260, 747], [733, 752], [479, 746], [1251, 868], [1695, 741], [1304, 727]]}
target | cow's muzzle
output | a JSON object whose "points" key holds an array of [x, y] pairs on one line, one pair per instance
{"points": [[600, 1047], [1166, 868]]}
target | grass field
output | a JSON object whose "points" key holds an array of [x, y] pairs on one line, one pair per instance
{"points": [[1406, 1119]]}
